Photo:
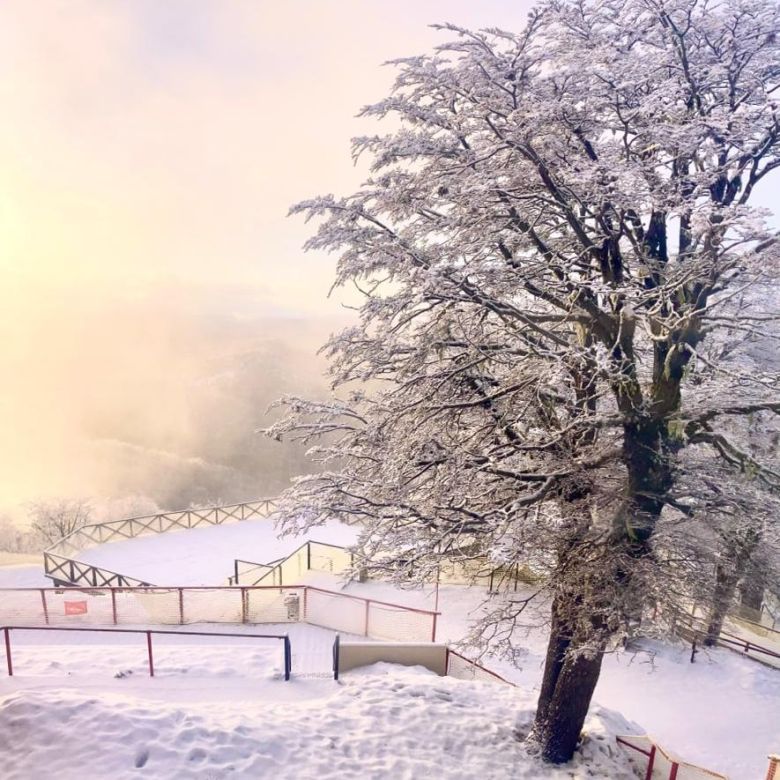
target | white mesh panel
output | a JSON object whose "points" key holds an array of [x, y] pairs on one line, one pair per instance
{"points": [[273, 605], [212, 606], [399, 624], [463, 669], [337, 612], [79, 607], [154, 606]]}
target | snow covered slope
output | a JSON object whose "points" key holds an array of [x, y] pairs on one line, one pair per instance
{"points": [[204, 556]]}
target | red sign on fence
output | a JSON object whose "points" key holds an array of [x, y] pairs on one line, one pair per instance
{"points": [[75, 607]]}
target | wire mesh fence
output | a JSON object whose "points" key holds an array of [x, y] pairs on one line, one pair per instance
{"points": [[463, 668], [186, 605]]}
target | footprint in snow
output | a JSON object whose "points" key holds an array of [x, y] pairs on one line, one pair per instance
{"points": [[141, 757]]}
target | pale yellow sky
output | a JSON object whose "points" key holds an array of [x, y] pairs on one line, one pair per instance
{"points": [[149, 152]]}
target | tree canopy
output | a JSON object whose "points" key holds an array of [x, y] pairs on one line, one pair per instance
{"points": [[561, 277]]}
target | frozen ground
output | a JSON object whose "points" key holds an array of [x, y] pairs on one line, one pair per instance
{"points": [[204, 556]]}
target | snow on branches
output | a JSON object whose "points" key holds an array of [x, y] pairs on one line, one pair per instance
{"points": [[558, 262]]}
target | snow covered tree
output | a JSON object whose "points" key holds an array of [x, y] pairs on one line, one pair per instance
{"points": [[556, 222], [52, 520]]}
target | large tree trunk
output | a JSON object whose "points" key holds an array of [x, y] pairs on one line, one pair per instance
{"points": [[567, 688], [559, 732], [571, 674]]}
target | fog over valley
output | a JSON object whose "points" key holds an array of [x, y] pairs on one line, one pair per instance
{"points": [[157, 397]]}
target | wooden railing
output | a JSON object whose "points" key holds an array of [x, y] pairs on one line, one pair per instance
{"points": [[662, 764], [273, 573], [63, 567], [694, 630]]}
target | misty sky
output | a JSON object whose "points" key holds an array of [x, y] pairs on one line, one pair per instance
{"points": [[149, 152]]}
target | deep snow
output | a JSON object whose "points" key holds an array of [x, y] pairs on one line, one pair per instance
{"points": [[384, 723]]}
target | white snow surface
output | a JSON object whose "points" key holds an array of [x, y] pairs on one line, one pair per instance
{"points": [[207, 712], [205, 555], [388, 722], [721, 712]]}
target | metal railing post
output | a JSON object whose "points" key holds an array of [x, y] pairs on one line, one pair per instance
{"points": [[8, 652], [45, 607], [336, 647], [149, 651], [113, 605], [650, 763], [287, 657], [368, 603], [181, 606]]}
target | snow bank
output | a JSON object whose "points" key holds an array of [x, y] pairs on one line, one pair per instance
{"points": [[400, 723]]}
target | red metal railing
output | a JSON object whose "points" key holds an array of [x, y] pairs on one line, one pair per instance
{"points": [[691, 770], [369, 602], [746, 645], [476, 666], [150, 654]]}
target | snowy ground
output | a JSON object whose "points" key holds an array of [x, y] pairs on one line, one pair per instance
{"points": [[204, 556], [385, 723], [24, 576], [722, 712]]}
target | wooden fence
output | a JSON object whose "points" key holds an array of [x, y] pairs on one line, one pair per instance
{"points": [[694, 630], [60, 563]]}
